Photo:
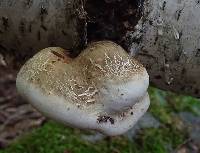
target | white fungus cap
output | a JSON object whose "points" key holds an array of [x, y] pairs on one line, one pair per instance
{"points": [[102, 89]]}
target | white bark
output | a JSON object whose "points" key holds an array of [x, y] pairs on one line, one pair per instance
{"points": [[27, 26], [169, 44]]}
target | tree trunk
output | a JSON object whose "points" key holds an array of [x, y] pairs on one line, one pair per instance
{"points": [[163, 34], [27, 26], [169, 45]]}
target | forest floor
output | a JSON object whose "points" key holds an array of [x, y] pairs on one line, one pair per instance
{"points": [[172, 124]]}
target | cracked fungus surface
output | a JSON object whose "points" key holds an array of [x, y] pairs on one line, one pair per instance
{"points": [[79, 80]]}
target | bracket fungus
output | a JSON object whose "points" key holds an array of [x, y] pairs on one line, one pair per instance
{"points": [[102, 89]]}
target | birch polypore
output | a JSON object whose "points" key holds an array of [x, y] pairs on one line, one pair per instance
{"points": [[102, 89]]}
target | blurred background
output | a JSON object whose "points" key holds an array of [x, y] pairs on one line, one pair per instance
{"points": [[172, 124]]}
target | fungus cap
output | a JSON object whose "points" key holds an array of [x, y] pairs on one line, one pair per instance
{"points": [[102, 89]]}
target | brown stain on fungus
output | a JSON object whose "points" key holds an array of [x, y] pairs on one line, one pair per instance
{"points": [[64, 57], [57, 54], [105, 119]]}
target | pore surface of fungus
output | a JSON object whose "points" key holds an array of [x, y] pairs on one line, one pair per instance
{"points": [[102, 89]]}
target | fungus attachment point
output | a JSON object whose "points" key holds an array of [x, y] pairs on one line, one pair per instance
{"points": [[102, 89]]}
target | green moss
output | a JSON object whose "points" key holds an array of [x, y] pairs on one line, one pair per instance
{"points": [[55, 138], [164, 104]]}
